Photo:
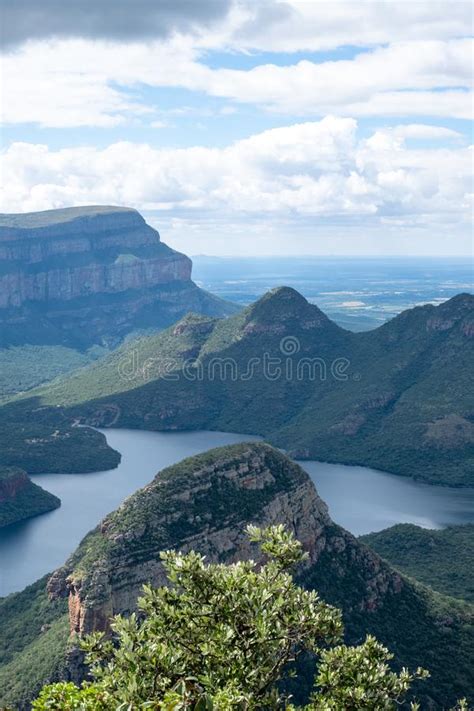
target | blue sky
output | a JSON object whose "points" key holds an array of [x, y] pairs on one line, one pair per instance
{"points": [[250, 128]]}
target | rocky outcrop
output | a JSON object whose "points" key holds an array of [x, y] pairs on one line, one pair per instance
{"points": [[12, 481], [90, 274], [204, 504], [20, 498]]}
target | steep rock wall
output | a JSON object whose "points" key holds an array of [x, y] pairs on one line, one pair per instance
{"points": [[90, 275]]}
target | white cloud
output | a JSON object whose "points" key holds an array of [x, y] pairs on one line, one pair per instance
{"points": [[84, 83], [422, 131], [414, 64], [297, 25], [297, 175], [393, 80], [78, 82]]}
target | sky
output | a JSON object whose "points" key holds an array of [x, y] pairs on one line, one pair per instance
{"points": [[244, 127]]}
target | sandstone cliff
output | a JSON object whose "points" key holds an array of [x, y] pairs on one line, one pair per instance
{"points": [[204, 504], [90, 275], [207, 512]]}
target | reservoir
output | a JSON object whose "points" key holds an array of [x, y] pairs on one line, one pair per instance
{"points": [[360, 499]]}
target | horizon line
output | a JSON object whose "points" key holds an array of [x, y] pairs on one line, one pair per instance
{"points": [[334, 256]]}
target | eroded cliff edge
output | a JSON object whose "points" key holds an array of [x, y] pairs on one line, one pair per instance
{"points": [[204, 503], [90, 275]]}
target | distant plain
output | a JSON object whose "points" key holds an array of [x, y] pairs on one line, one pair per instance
{"points": [[359, 293]]}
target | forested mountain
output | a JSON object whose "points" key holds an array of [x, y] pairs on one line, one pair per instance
{"points": [[441, 559], [399, 398]]}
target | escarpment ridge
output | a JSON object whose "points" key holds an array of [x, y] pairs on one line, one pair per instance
{"points": [[90, 275]]}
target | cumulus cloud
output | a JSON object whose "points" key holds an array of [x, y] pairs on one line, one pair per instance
{"points": [[299, 173], [80, 83], [76, 83], [120, 20], [393, 80]]}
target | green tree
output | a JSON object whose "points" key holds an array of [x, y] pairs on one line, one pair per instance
{"points": [[221, 637]]}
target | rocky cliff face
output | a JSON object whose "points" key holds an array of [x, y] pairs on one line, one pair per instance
{"points": [[12, 481], [88, 275], [204, 504]]}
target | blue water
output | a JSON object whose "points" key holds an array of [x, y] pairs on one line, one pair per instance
{"points": [[37, 546], [359, 293], [360, 499]]}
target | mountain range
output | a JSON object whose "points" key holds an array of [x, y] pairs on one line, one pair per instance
{"points": [[102, 326], [204, 503], [282, 369], [399, 398]]}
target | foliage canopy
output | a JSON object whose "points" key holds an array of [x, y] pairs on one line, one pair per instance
{"points": [[223, 637]]}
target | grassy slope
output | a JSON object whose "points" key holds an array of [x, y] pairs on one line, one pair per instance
{"points": [[135, 363], [441, 559]]}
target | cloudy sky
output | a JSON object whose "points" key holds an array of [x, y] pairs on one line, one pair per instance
{"points": [[244, 127]]}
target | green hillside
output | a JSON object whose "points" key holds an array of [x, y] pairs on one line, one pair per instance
{"points": [[25, 367], [33, 639], [441, 559], [20, 498], [399, 398]]}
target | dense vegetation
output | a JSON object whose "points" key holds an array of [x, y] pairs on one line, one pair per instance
{"points": [[24, 367], [33, 639], [441, 559], [418, 625], [221, 637], [20, 498], [40, 439], [399, 398]]}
